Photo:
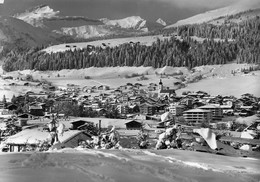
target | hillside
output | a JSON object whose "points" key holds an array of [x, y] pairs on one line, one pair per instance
{"points": [[144, 40], [126, 165], [15, 32], [212, 15]]}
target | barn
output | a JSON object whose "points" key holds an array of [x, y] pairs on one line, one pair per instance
{"points": [[75, 125], [133, 125]]}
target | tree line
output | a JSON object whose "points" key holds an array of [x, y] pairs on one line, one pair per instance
{"points": [[238, 42]]}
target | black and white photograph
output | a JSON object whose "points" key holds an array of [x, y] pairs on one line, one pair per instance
{"points": [[129, 90]]}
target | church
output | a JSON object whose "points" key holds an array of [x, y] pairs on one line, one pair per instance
{"points": [[165, 92]]}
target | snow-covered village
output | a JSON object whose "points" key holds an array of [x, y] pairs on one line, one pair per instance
{"points": [[147, 96]]}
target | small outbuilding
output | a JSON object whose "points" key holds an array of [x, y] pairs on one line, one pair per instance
{"points": [[133, 125], [75, 125]]}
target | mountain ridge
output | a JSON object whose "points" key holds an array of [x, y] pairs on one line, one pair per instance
{"points": [[217, 13]]}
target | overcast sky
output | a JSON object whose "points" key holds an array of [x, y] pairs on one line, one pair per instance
{"points": [[169, 10]]}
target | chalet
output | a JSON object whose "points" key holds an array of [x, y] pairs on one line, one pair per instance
{"points": [[87, 89], [13, 84], [2, 105], [124, 98], [152, 88], [227, 109], [49, 87], [161, 108], [176, 110], [133, 108], [75, 125], [5, 113], [147, 109], [103, 87], [202, 94], [36, 110], [138, 85], [117, 92], [39, 95], [73, 87], [95, 106], [123, 109], [31, 137], [7, 77], [197, 116], [102, 96], [20, 99], [12, 107], [133, 125], [23, 118]]}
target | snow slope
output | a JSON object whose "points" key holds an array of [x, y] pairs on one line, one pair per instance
{"points": [[145, 40], [239, 7], [69, 165]]}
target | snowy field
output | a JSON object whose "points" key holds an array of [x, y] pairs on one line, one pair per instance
{"points": [[217, 79], [126, 165], [145, 40], [236, 85]]}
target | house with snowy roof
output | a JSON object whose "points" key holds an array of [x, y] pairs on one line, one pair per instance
{"points": [[35, 136]]}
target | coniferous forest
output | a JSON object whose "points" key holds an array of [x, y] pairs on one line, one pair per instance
{"points": [[222, 44]]}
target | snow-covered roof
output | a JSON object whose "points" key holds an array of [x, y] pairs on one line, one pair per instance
{"points": [[36, 135], [196, 110], [209, 107]]}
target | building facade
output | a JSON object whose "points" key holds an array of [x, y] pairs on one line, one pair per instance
{"points": [[217, 112], [197, 116]]}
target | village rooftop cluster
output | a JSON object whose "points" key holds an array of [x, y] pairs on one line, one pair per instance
{"points": [[148, 109]]}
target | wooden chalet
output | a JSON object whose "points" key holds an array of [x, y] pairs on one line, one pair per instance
{"points": [[75, 125], [133, 125]]}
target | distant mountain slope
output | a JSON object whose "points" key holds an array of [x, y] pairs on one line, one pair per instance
{"points": [[160, 21], [35, 16], [86, 31], [218, 13], [133, 22], [17, 32], [84, 27]]}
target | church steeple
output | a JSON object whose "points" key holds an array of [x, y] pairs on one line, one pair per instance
{"points": [[160, 85]]}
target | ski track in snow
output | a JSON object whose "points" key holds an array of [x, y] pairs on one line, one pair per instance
{"points": [[191, 164]]}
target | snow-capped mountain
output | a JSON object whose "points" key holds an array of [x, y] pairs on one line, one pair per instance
{"points": [[36, 15], [132, 22], [208, 16], [160, 21], [81, 27]]}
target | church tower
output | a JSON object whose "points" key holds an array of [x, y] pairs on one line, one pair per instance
{"points": [[160, 85]]}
